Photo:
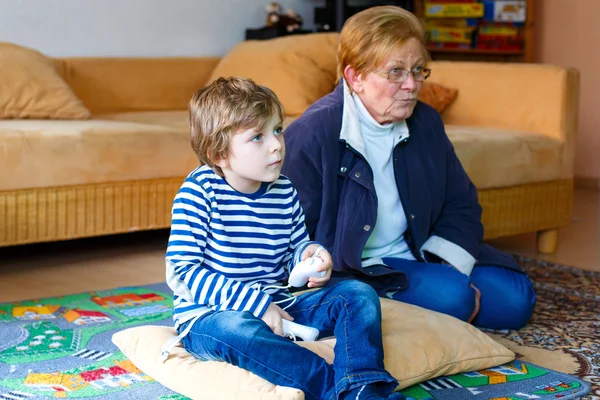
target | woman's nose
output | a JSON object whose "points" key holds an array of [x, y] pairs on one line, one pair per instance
{"points": [[409, 83]]}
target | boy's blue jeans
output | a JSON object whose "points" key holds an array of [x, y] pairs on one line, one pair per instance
{"points": [[350, 310], [507, 296]]}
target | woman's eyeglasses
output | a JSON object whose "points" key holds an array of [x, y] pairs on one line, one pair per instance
{"points": [[400, 75]]}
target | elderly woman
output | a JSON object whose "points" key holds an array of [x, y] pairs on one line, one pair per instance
{"points": [[383, 189]]}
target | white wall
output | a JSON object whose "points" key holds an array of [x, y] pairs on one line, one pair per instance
{"points": [[64, 28]]}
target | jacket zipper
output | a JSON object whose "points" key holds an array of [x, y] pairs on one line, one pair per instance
{"points": [[359, 155], [408, 218]]}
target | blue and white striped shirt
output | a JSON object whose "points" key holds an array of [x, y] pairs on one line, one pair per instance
{"points": [[226, 245]]}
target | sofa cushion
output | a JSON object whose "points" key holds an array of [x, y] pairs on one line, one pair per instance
{"points": [[499, 158], [179, 120], [155, 144], [300, 69], [173, 119], [419, 344], [32, 87], [42, 153]]}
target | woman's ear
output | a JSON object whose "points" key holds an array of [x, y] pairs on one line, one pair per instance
{"points": [[353, 79]]}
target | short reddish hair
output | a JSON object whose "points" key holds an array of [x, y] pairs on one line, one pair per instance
{"points": [[369, 35]]}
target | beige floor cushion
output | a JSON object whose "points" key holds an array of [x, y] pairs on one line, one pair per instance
{"points": [[419, 345]]}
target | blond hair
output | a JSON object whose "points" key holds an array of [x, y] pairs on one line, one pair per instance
{"points": [[368, 36], [222, 109]]}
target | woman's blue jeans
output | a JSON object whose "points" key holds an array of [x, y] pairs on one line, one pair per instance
{"points": [[507, 296], [350, 310]]}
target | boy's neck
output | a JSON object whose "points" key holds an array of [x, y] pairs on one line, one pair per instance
{"points": [[251, 189]]}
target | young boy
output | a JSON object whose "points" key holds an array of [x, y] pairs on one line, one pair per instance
{"points": [[237, 229]]}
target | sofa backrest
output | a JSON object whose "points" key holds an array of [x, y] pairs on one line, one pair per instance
{"points": [[135, 84], [522, 97]]}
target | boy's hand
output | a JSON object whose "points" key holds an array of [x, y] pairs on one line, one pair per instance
{"points": [[325, 266], [273, 316]]}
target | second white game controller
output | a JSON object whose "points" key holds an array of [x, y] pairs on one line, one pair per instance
{"points": [[294, 331], [304, 270]]}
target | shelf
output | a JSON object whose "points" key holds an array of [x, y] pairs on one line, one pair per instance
{"points": [[525, 55], [433, 49]]}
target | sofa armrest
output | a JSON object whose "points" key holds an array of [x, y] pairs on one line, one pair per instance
{"points": [[532, 98]]}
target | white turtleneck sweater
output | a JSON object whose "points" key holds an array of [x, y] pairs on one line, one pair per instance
{"points": [[387, 237]]}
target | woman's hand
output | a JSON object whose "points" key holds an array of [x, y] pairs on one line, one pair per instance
{"points": [[273, 317], [477, 296], [324, 255], [477, 303]]}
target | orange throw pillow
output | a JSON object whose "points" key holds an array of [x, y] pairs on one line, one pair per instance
{"points": [[300, 69], [438, 96], [32, 88]]}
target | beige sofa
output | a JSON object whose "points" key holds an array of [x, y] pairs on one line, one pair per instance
{"points": [[513, 127]]}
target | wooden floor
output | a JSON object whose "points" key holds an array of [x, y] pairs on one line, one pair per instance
{"points": [[579, 243], [51, 269]]}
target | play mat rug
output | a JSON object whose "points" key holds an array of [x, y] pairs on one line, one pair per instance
{"points": [[61, 347]]}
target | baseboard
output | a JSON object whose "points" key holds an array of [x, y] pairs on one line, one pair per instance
{"points": [[588, 183]]}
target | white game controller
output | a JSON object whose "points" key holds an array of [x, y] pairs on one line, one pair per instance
{"points": [[294, 331], [304, 270]]}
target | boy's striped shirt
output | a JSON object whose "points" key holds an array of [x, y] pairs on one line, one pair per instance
{"points": [[225, 245]]}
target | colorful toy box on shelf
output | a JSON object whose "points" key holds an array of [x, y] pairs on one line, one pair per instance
{"points": [[505, 10], [501, 26], [451, 24], [494, 25], [450, 32], [453, 9], [499, 43], [499, 36]]}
